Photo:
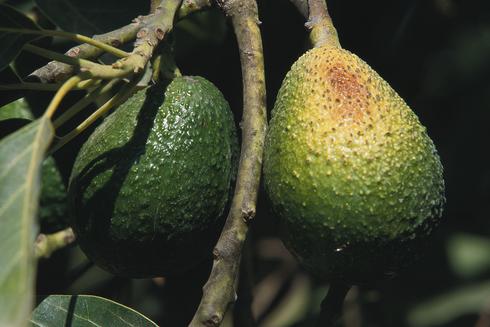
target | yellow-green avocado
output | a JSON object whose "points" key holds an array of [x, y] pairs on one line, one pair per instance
{"points": [[350, 172], [149, 187]]}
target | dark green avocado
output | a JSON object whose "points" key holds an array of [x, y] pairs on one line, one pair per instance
{"points": [[149, 187]]}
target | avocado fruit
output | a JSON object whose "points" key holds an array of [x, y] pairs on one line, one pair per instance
{"points": [[149, 187], [52, 212], [350, 172]]}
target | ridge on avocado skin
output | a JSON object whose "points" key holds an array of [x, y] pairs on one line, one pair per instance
{"points": [[149, 187], [349, 169]]}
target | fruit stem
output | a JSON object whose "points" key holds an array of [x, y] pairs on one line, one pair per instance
{"points": [[164, 65], [331, 307], [322, 31], [62, 92], [46, 244], [220, 289]]}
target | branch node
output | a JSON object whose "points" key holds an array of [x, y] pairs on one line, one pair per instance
{"points": [[248, 214], [142, 33], [216, 254], [115, 42], [214, 320], [160, 33]]}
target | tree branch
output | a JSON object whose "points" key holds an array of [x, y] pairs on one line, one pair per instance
{"points": [[46, 244], [220, 289], [55, 71], [322, 31], [147, 39]]}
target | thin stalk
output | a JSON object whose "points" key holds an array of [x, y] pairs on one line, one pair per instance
{"points": [[120, 69], [70, 36], [62, 92], [124, 93], [85, 101], [86, 84]]}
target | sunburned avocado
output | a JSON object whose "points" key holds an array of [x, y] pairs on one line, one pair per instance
{"points": [[52, 210], [150, 185], [349, 170]]}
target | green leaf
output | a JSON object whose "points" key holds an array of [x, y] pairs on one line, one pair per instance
{"points": [[12, 42], [91, 17], [86, 311], [21, 156]]}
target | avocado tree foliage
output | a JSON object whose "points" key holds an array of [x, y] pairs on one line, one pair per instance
{"points": [[105, 71]]}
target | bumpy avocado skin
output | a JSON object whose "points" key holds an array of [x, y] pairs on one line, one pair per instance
{"points": [[351, 173], [52, 212], [150, 185]]}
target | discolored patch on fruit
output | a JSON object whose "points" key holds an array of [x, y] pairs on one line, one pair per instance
{"points": [[349, 169], [350, 95], [149, 187]]}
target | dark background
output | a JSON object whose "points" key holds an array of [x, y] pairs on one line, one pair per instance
{"points": [[436, 55]]}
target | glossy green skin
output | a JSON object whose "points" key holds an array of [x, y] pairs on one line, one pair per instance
{"points": [[349, 170], [150, 185], [52, 212]]}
